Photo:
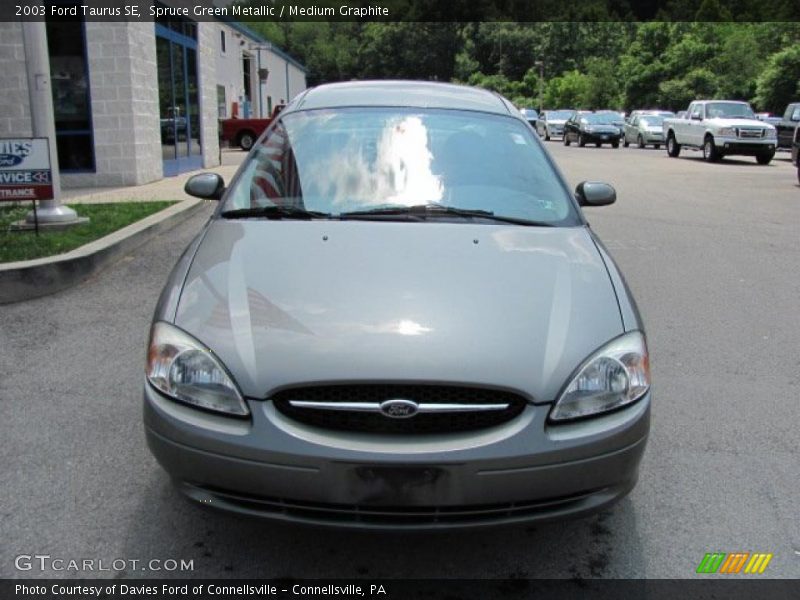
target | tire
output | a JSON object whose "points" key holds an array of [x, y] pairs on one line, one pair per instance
{"points": [[625, 142], [657, 146], [566, 139], [581, 141], [615, 144], [765, 158], [246, 140], [673, 147], [640, 142], [598, 144], [710, 152], [546, 134], [798, 175]]}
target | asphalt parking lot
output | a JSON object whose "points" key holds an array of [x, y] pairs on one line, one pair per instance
{"points": [[710, 252]]}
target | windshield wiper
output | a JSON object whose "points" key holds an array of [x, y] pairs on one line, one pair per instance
{"points": [[274, 212], [426, 211]]}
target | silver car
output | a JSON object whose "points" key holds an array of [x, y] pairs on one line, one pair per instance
{"points": [[551, 123], [644, 130], [398, 317]]}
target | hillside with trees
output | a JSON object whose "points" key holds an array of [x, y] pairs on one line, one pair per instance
{"points": [[593, 64]]}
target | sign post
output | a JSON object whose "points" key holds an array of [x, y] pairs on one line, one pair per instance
{"points": [[25, 171], [34, 37]]}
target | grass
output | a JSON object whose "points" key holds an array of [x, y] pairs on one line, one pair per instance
{"points": [[103, 219]]}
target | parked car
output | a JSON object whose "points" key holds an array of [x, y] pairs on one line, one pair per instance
{"points": [[721, 128], [650, 111], [531, 115], [551, 123], [398, 317], [788, 125], [245, 132], [769, 118], [796, 147], [591, 128], [643, 130]]}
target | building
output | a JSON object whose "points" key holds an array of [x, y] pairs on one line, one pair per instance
{"points": [[137, 101]]}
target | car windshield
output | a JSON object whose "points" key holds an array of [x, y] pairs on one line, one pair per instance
{"points": [[600, 119], [559, 115], [335, 161], [729, 110]]}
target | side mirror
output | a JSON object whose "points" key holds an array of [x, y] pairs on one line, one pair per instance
{"points": [[595, 193], [696, 118], [208, 186]]}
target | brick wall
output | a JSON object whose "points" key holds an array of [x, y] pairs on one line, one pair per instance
{"points": [[15, 117], [207, 44], [123, 80]]}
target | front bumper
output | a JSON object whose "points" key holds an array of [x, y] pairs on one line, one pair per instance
{"points": [[602, 137], [748, 148], [520, 471]]}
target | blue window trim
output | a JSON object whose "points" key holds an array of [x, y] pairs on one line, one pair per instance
{"points": [[174, 36]]}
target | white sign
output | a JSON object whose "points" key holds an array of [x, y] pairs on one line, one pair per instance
{"points": [[25, 172]]}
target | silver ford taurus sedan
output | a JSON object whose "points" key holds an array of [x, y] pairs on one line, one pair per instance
{"points": [[398, 317]]}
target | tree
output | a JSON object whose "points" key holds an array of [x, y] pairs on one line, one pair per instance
{"points": [[779, 84]]}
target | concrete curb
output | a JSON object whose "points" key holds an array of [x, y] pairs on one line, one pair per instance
{"points": [[29, 279]]}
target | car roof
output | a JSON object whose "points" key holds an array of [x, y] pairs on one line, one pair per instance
{"points": [[414, 94]]}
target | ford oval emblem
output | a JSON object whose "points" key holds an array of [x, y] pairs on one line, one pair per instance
{"points": [[10, 160], [399, 408]]}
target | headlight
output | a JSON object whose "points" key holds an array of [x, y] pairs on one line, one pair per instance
{"points": [[616, 375], [726, 132], [182, 368], [771, 133]]}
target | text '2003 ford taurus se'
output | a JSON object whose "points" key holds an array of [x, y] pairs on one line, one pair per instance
{"points": [[398, 317]]}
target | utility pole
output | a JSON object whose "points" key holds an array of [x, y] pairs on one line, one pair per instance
{"points": [[540, 64], [37, 63]]}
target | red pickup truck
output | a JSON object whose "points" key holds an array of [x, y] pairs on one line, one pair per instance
{"points": [[245, 132]]}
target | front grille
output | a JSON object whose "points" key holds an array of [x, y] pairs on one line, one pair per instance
{"points": [[319, 407], [750, 133], [397, 516]]}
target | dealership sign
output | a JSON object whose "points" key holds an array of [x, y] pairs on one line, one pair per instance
{"points": [[25, 172]]}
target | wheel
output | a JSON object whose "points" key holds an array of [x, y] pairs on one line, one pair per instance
{"points": [[546, 135], [598, 144], [657, 146], [615, 144], [765, 158], [581, 141], [246, 140], [566, 139], [710, 153], [625, 143], [640, 142], [673, 147], [798, 175]]}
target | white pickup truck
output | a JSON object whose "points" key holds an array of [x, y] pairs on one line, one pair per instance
{"points": [[721, 128]]}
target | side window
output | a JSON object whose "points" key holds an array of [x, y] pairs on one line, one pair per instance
{"points": [[697, 111], [796, 114]]}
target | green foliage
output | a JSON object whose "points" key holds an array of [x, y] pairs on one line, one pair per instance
{"points": [[599, 64], [779, 84]]}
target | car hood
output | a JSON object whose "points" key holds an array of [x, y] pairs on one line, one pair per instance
{"points": [[292, 302], [738, 123], [605, 127]]}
